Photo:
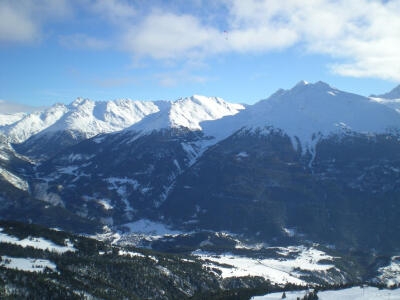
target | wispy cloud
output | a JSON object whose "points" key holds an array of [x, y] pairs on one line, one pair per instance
{"points": [[179, 77], [170, 36], [9, 107], [115, 82], [83, 41]]}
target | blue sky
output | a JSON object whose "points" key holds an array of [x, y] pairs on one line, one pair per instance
{"points": [[240, 50]]}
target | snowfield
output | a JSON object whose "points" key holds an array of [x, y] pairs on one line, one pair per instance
{"points": [[26, 264], [279, 270], [150, 228], [130, 253], [37, 243], [355, 293]]}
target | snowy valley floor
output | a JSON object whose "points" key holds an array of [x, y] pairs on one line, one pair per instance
{"points": [[355, 293]]}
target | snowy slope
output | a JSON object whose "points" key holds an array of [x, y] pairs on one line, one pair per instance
{"points": [[26, 264], [92, 118], [36, 242], [14, 179], [278, 271], [187, 112], [7, 119], [309, 112], [392, 103]]}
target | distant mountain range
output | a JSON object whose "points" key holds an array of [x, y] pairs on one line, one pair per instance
{"points": [[312, 163]]}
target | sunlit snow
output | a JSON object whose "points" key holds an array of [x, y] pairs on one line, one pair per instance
{"points": [[26, 264], [36, 242], [279, 271], [355, 293]]}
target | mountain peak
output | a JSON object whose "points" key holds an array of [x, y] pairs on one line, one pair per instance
{"points": [[308, 85], [393, 94], [308, 111], [322, 84], [309, 88], [188, 112], [302, 83], [81, 101]]}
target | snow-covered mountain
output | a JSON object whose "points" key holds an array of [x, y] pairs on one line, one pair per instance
{"points": [[307, 113], [91, 118], [310, 163], [83, 115], [63, 125], [33, 123], [187, 113]]}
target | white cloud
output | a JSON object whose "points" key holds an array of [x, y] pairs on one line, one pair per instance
{"points": [[15, 25], [362, 35], [21, 20], [115, 82], [170, 36]]}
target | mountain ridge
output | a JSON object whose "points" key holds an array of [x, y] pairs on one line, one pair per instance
{"points": [[391, 95], [185, 169]]}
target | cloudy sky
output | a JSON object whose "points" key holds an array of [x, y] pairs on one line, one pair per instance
{"points": [[241, 50]]}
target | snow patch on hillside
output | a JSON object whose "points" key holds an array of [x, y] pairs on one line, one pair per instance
{"points": [[37, 243], [130, 253], [15, 180], [280, 271], [41, 192], [151, 228], [120, 186], [392, 103], [27, 264]]}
